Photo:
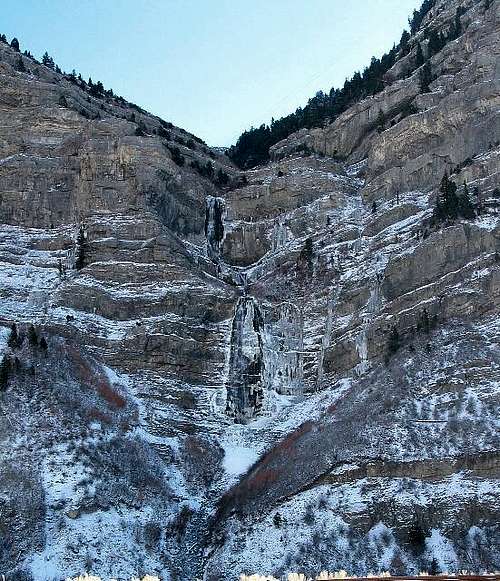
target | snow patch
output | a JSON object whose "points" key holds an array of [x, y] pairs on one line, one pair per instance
{"points": [[238, 459]]}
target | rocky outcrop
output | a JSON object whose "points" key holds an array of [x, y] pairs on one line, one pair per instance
{"points": [[354, 132], [444, 252]]}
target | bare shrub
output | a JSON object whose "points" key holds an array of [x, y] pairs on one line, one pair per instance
{"points": [[309, 516], [177, 527], [187, 400]]}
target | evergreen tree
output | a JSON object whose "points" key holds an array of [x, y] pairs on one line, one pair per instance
{"points": [[222, 177], [209, 169], [425, 77], [403, 43], [307, 253], [14, 341], [62, 101], [456, 28], [3, 38], [419, 15], [380, 122], [433, 45], [32, 336], [97, 89], [447, 200], [479, 200], [177, 156], [436, 42], [465, 207], [140, 130], [424, 323], [5, 369], [450, 205], [419, 57], [43, 344], [47, 60], [14, 43], [20, 65], [80, 249], [393, 342]]}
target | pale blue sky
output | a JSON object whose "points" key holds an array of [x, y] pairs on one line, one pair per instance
{"points": [[214, 67]]}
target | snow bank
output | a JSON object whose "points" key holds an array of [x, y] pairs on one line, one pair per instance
{"points": [[238, 459]]}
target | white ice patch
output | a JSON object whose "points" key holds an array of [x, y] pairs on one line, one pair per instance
{"points": [[238, 459], [440, 548]]}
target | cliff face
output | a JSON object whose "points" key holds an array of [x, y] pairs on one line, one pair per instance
{"points": [[136, 336], [273, 375], [408, 137]]}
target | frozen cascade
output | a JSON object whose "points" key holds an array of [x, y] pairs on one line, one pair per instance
{"points": [[283, 351], [362, 350], [266, 356], [327, 335], [214, 225], [266, 343], [372, 307], [244, 387], [280, 236]]}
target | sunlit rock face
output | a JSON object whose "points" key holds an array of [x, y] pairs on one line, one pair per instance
{"points": [[275, 375], [453, 122]]}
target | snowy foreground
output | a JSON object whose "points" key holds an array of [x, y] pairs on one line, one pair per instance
{"points": [[87, 577], [323, 576]]}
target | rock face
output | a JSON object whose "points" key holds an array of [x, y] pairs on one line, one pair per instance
{"points": [[279, 374]]}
